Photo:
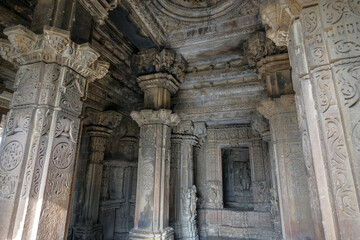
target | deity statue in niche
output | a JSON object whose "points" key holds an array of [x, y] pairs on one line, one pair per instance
{"points": [[244, 175], [237, 178]]}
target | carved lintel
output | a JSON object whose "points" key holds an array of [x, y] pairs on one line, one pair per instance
{"points": [[54, 46], [270, 107], [107, 119], [162, 116]]}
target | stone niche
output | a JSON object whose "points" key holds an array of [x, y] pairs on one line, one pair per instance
{"points": [[236, 172], [228, 206]]}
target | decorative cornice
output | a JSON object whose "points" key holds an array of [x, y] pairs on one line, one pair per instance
{"points": [[162, 116], [140, 13], [54, 46], [158, 80], [108, 119], [271, 107]]}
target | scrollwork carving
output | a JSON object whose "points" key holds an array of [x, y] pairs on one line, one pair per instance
{"points": [[344, 188], [349, 85]]}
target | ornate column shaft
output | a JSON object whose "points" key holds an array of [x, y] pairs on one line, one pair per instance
{"points": [[292, 185], [183, 197], [40, 142], [100, 126], [152, 194]]}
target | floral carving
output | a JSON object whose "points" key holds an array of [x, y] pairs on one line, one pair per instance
{"points": [[354, 6], [334, 11], [58, 183], [310, 21], [62, 155], [11, 155], [7, 186], [147, 175]]}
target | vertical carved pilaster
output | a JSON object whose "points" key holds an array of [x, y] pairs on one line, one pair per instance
{"points": [[183, 197], [100, 127], [292, 185], [39, 147], [323, 49]]}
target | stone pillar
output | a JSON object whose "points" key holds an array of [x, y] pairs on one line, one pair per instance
{"points": [[99, 129], [37, 158], [183, 197], [152, 194], [323, 43], [292, 185]]}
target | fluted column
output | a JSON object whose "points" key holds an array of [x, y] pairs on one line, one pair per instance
{"points": [[183, 197], [99, 127], [152, 193], [292, 183], [40, 141]]}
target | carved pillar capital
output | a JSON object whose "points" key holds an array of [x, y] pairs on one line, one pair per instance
{"points": [[162, 116], [54, 46], [271, 107], [154, 61]]}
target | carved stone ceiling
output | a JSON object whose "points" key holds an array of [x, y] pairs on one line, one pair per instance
{"points": [[198, 29]]}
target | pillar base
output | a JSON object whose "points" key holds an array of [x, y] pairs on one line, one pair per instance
{"points": [[166, 234], [88, 232], [186, 230]]}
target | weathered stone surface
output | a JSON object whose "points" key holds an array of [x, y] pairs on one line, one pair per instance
{"points": [[42, 129], [294, 201]]}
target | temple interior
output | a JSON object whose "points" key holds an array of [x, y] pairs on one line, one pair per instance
{"points": [[179, 119]]}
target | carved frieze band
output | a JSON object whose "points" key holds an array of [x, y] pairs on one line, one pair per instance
{"points": [[162, 116]]}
